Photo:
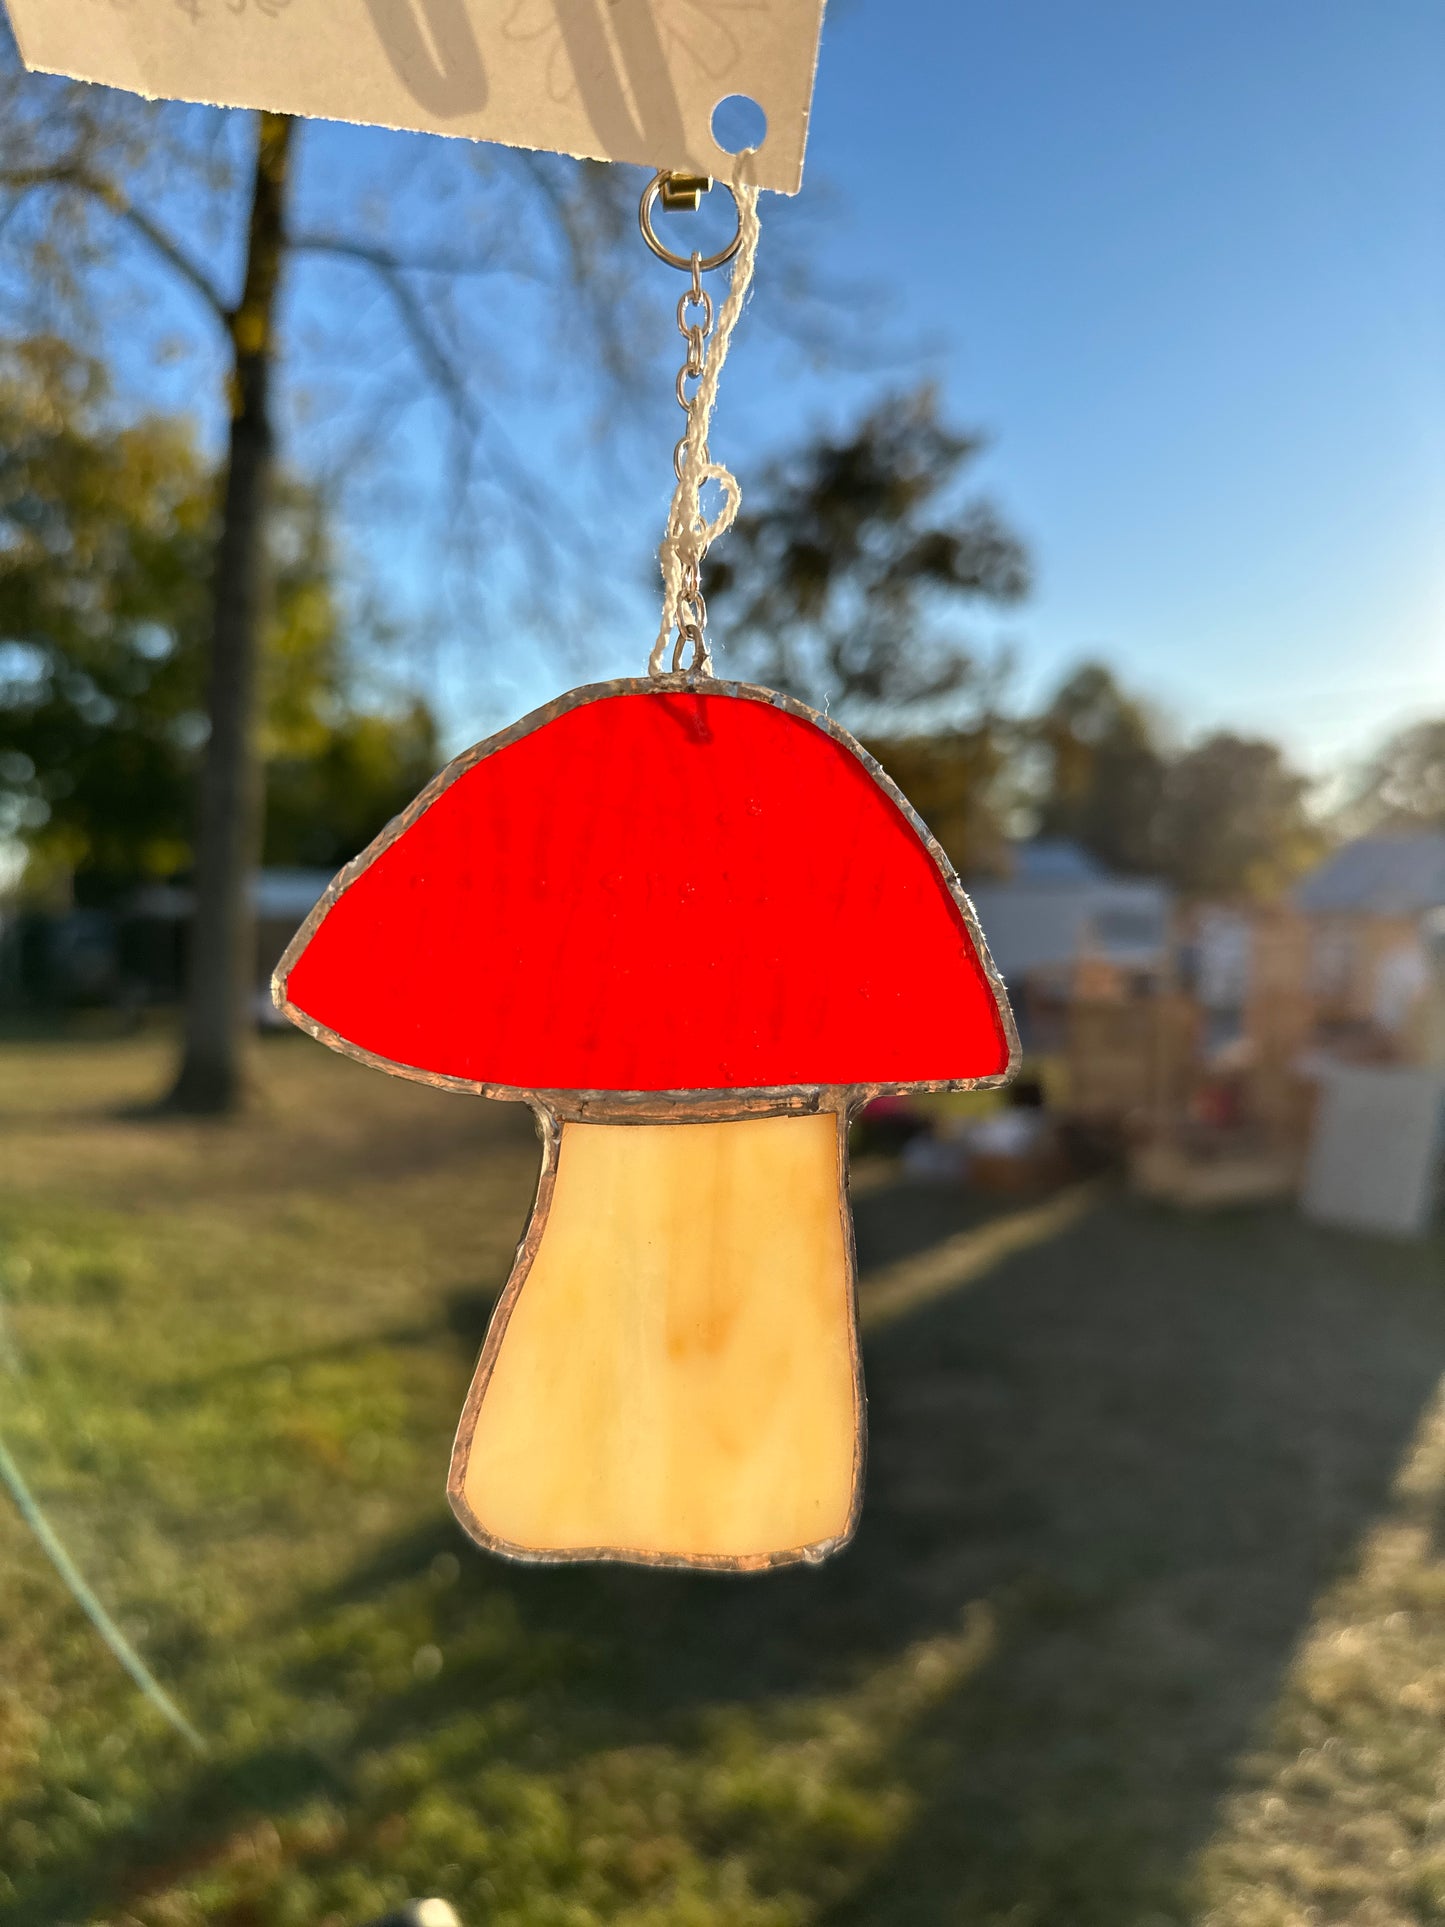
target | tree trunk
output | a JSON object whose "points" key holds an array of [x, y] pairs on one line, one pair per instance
{"points": [[222, 968]]}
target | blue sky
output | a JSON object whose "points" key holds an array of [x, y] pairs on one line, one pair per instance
{"points": [[1187, 266], [1184, 264]]}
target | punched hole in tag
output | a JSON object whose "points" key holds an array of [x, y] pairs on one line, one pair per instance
{"points": [[738, 123]]}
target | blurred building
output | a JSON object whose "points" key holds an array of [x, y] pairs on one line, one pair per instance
{"points": [[1062, 927], [133, 955], [1368, 907]]}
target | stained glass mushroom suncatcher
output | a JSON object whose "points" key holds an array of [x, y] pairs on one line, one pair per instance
{"points": [[695, 927]]}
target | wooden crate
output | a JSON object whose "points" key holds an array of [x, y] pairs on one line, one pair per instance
{"points": [[1132, 1057]]}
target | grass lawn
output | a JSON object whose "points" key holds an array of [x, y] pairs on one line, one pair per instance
{"points": [[1145, 1623]]}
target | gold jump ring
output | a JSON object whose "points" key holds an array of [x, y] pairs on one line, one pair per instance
{"points": [[684, 261]]}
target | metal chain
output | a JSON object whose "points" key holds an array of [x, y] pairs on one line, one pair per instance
{"points": [[694, 324], [690, 532]]}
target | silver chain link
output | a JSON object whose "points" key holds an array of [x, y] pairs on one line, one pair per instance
{"points": [[694, 324]]}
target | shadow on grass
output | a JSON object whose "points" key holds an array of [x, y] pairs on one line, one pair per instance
{"points": [[1145, 1446], [466, 1312]]}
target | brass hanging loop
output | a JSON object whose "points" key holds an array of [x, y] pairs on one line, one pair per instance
{"points": [[682, 193]]}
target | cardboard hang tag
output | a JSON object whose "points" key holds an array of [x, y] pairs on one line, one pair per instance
{"points": [[615, 80]]}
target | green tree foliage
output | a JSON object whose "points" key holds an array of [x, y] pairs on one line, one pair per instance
{"points": [[1102, 771], [962, 783], [843, 584], [105, 531], [103, 541], [1234, 820], [326, 797], [1403, 785], [93, 184], [1224, 817]]}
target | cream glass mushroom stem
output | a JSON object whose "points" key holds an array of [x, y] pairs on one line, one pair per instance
{"points": [[672, 1373]]}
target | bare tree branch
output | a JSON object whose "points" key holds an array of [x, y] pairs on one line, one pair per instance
{"points": [[107, 194], [387, 260]]}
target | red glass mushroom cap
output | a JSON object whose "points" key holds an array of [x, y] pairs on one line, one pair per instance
{"points": [[647, 889]]}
